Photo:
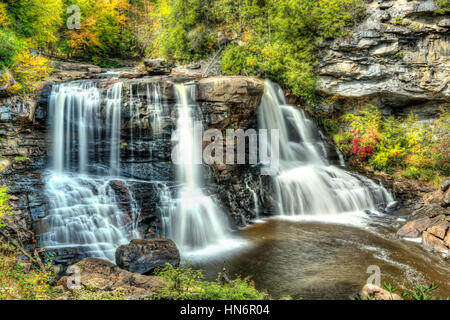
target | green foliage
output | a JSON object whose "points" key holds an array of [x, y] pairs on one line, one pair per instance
{"points": [[444, 6], [4, 206], [389, 287], [36, 20], [10, 46], [21, 282], [185, 283], [411, 173], [277, 39], [415, 149], [90, 293], [22, 159], [421, 292]]}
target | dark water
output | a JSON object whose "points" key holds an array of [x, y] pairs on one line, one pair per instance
{"points": [[315, 260]]}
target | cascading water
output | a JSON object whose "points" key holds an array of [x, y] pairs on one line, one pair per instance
{"points": [[307, 184], [195, 222], [83, 207]]}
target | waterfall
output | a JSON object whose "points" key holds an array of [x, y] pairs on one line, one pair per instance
{"points": [[254, 194], [113, 110], [83, 203], [307, 184], [195, 222]]}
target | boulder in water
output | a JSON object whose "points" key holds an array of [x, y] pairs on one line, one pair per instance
{"points": [[432, 243], [413, 229], [144, 256]]}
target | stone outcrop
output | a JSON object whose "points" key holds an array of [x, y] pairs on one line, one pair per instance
{"points": [[433, 226], [371, 291], [397, 59], [68, 71], [144, 256], [104, 275], [156, 67], [23, 150]]}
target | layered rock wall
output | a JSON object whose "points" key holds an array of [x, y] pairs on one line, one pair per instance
{"points": [[397, 59]]}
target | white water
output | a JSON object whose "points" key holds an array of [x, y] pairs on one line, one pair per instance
{"points": [[307, 183], [195, 222], [83, 207]]}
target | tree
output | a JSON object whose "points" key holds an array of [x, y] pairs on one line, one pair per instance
{"points": [[37, 21]]}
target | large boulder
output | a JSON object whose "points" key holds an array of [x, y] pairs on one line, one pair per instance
{"points": [[104, 275], [432, 243], [245, 91], [144, 256], [414, 229], [373, 291]]}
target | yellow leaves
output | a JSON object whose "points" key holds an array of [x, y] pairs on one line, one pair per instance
{"points": [[164, 9], [4, 206], [18, 282], [102, 24], [85, 37], [30, 70], [4, 20]]}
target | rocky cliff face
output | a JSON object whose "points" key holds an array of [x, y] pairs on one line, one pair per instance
{"points": [[397, 59]]}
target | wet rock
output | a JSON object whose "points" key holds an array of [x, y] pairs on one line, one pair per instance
{"points": [[373, 291], [439, 230], [433, 243], [104, 275], [447, 239], [144, 256], [413, 229], [445, 185]]}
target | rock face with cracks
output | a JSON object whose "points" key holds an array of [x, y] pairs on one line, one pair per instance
{"points": [[397, 58]]}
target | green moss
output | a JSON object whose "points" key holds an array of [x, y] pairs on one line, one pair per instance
{"points": [[21, 159]]}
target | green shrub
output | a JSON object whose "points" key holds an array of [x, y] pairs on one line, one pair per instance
{"points": [[10, 46], [411, 173], [5, 209], [22, 159], [18, 282], [92, 293], [278, 39], [444, 6], [389, 144], [185, 283]]}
